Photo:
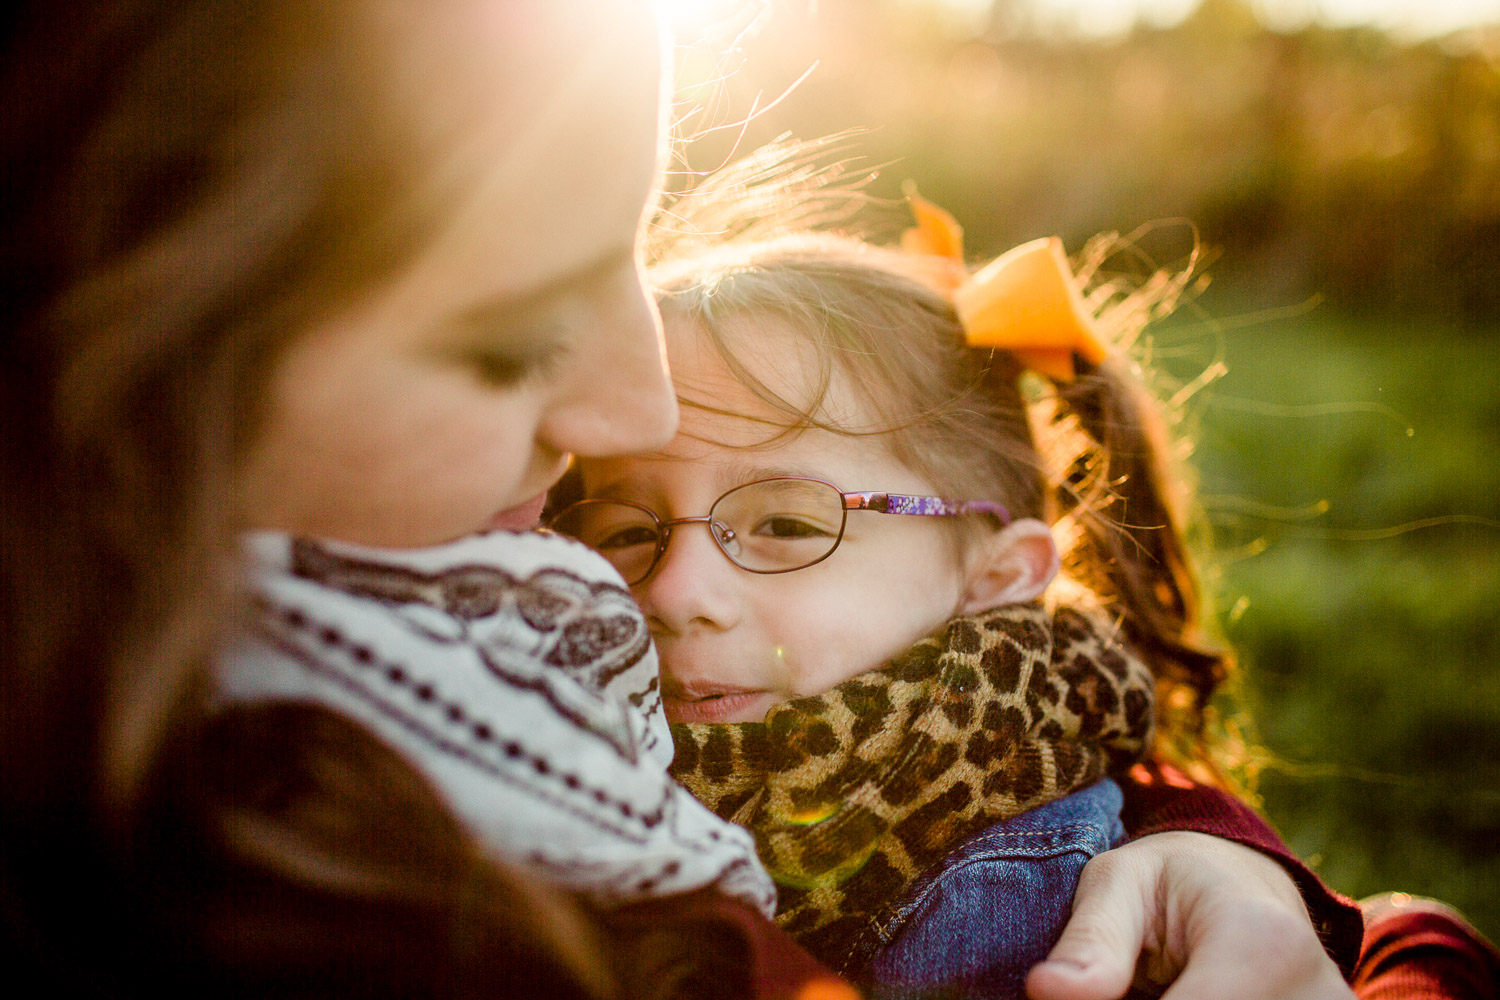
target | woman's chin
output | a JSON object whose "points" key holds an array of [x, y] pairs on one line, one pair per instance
{"points": [[522, 517], [746, 706]]}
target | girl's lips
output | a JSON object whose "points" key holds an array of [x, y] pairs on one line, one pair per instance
{"points": [[732, 706], [521, 517]]}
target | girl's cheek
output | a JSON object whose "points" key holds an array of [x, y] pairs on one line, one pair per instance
{"points": [[783, 675]]}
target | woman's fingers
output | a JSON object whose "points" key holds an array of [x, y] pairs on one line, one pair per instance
{"points": [[1209, 918], [1251, 949], [1095, 959]]}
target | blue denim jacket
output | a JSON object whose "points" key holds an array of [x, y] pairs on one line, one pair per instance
{"points": [[979, 920]]}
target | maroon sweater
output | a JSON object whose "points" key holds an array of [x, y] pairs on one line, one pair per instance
{"points": [[1425, 955]]}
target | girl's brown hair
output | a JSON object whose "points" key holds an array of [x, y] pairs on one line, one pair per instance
{"points": [[186, 185], [1090, 457]]}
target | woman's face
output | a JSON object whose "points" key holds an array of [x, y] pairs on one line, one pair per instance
{"points": [[447, 401]]}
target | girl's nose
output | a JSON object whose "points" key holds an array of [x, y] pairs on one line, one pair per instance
{"points": [[618, 399], [693, 584]]}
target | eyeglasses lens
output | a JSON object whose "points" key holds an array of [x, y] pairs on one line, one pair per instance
{"points": [[780, 524], [770, 526], [623, 533]]}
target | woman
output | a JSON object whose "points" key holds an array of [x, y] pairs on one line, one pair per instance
{"points": [[254, 252], [362, 271]]}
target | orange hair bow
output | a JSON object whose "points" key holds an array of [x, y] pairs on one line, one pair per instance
{"points": [[1025, 301]]}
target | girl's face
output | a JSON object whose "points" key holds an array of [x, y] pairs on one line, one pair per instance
{"points": [[447, 401], [734, 643]]}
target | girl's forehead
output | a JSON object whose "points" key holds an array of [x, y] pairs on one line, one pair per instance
{"points": [[715, 452], [770, 357], [729, 434]]}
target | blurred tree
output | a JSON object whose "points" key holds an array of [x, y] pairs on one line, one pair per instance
{"points": [[1323, 162]]}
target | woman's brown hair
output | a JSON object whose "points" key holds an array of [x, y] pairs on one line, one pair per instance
{"points": [[186, 185], [1090, 457]]}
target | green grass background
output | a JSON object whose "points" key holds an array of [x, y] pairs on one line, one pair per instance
{"points": [[1351, 472]]}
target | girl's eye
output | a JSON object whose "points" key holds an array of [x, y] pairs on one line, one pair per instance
{"points": [[624, 538], [790, 527]]}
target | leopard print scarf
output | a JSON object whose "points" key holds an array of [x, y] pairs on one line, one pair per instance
{"points": [[853, 793]]}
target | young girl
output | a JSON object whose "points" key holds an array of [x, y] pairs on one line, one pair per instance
{"points": [[847, 560]]}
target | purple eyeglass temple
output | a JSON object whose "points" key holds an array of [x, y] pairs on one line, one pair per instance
{"points": [[898, 503]]}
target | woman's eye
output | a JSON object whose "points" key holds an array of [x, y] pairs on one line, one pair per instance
{"points": [[624, 538], [500, 369], [791, 527]]}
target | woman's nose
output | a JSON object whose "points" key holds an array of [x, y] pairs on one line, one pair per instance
{"points": [[693, 584], [619, 399]]}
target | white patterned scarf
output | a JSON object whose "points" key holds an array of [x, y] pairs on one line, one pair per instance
{"points": [[516, 673]]}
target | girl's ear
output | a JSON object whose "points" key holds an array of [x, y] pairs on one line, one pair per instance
{"points": [[1011, 567]]}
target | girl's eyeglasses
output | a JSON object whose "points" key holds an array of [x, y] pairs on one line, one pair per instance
{"points": [[769, 526]]}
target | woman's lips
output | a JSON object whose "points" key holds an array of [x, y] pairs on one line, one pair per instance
{"points": [[728, 706], [521, 517]]}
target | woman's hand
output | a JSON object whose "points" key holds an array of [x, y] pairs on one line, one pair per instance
{"points": [[1210, 918]]}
